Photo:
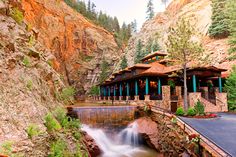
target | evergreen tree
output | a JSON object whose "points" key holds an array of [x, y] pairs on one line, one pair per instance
{"points": [[231, 13], [156, 46], [219, 27], [182, 49], [124, 63], [164, 2], [139, 52], [150, 10], [105, 71], [134, 26], [149, 46], [230, 87]]}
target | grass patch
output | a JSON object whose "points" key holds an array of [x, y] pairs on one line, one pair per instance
{"points": [[17, 15], [33, 130], [6, 149], [51, 123], [26, 61]]}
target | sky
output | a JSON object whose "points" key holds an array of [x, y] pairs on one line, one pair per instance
{"points": [[127, 10]]}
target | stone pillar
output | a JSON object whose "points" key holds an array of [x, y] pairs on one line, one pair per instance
{"points": [[159, 87], [221, 101], [99, 98], [178, 91], [147, 86], [127, 98], [136, 98], [109, 98], [205, 89], [120, 98], [166, 97], [146, 97], [193, 98], [136, 87]]}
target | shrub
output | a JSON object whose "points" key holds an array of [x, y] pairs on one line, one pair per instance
{"points": [[58, 148], [199, 108], [191, 112], [67, 94], [29, 84], [94, 90], [180, 111], [32, 130], [26, 61], [51, 123], [17, 15]]}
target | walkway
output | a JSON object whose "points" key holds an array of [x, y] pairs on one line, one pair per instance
{"points": [[221, 131]]}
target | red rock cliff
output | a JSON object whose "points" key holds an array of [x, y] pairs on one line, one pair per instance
{"points": [[78, 44]]}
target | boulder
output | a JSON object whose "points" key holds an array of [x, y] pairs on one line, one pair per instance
{"points": [[91, 145], [148, 130]]}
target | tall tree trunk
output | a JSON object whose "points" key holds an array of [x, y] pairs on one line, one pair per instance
{"points": [[185, 88]]}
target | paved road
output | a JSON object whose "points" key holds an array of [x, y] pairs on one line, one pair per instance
{"points": [[221, 130]]}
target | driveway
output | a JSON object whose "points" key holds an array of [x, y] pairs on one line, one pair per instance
{"points": [[221, 130]]}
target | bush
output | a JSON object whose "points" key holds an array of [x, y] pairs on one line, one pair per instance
{"points": [[51, 123], [29, 84], [26, 61], [32, 130], [17, 15], [199, 108], [180, 111], [191, 112], [94, 90], [67, 94], [58, 148]]}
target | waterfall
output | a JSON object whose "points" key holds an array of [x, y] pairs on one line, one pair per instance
{"points": [[124, 145]]}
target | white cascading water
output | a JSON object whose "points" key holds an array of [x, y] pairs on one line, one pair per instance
{"points": [[113, 148]]}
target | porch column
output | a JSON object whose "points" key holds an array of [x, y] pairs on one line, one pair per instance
{"points": [[147, 86], [159, 86], [194, 84], [109, 93], [127, 91], [114, 92], [120, 97], [136, 97], [147, 96], [220, 85]]}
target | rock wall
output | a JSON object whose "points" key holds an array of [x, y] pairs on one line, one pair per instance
{"points": [[78, 45], [199, 13]]}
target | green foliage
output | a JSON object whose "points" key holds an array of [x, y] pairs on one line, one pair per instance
{"points": [[230, 87], [94, 90], [199, 108], [6, 149], [67, 94], [150, 10], [183, 49], [51, 123], [191, 112], [139, 54], [33, 130], [29, 84], [124, 63], [219, 27], [180, 111], [31, 40], [17, 15], [105, 71], [231, 14], [58, 148], [171, 83], [26, 61]]}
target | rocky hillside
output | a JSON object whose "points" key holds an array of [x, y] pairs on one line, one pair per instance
{"points": [[78, 45], [199, 12], [28, 85]]}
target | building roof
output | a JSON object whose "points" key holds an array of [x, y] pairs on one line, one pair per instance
{"points": [[141, 66], [157, 53]]}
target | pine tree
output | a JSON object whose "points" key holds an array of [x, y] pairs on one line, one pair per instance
{"points": [[156, 46], [164, 2], [139, 52], [134, 26], [230, 87], [219, 27], [150, 10], [231, 13], [182, 49], [105, 71], [124, 63]]}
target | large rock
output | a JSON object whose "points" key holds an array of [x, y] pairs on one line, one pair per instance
{"points": [[91, 145], [149, 131], [78, 44]]}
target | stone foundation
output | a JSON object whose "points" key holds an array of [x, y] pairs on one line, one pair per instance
{"points": [[120, 98], [146, 97], [127, 98], [221, 101], [136, 98], [166, 97], [193, 98]]}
